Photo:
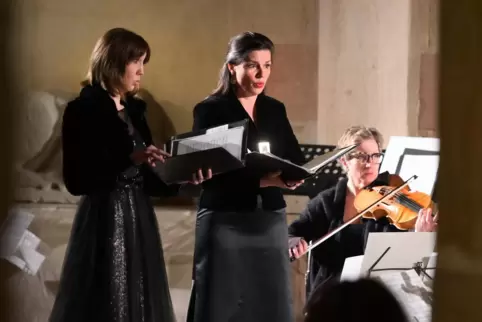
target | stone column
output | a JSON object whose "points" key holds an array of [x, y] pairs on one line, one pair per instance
{"points": [[458, 282], [364, 67]]}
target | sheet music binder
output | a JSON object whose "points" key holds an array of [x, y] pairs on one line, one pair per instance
{"points": [[211, 148], [269, 163], [207, 148]]}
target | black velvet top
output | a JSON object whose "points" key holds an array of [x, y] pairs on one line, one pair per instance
{"points": [[238, 190], [97, 143]]}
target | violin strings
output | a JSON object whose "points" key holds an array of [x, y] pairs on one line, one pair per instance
{"points": [[409, 203], [404, 200]]}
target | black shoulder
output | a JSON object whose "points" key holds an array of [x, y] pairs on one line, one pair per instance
{"points": [[209, 104], [271, 100], [79, 108], [326, 196]]}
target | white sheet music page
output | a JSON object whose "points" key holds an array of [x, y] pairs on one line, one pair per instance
{"points": [[412, 293], [352, 268], [406, 249], [229, 139]]}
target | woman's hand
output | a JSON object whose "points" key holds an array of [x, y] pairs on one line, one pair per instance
{"points": [[299, 249], [198, 177], [149, 155], [274, 180], [425, 221]]}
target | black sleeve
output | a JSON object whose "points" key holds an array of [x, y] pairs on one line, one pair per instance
{"points": [[293, 149], [93, 156], [204, 117], [312, 223]]}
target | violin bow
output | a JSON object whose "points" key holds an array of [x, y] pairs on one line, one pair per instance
{"points": [[358, 216]]}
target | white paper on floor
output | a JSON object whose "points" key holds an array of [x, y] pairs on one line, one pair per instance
{"points": [[18, 245]]}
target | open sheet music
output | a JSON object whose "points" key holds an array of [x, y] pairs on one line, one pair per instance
{"points": [[220, 149], [224, 148], [398, 260], [230, 139], [414, 295]]}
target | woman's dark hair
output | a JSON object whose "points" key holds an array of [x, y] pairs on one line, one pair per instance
{"points": [[112, 52], [239, 48], [358, 301]]}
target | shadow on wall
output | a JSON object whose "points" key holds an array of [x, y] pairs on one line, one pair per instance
{"points": [[162, 129], [161, 125], [38, 149]]}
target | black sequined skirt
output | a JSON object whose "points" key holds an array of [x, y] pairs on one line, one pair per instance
{"points": [[114, 268]]}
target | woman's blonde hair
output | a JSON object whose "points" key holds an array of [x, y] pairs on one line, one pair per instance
{"points": [[358, 133]]}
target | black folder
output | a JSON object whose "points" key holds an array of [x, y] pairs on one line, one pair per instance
{"points": [[204, 149], [181, 168], [206, 153], [269, 163]]}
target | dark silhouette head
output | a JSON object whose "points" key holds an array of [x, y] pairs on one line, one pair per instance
{"points": [[364, 300]]}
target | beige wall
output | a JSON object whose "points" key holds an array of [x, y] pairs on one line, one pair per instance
{"points": [[188, 39], [369, 67]]}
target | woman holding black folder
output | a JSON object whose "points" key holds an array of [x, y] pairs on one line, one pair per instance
{"points": [[241, 264], [114, 266]]}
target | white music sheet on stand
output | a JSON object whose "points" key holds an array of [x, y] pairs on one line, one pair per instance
{"points": [[418, 156], [425, 168], [352, 268], [406, 249], [414, 296]]}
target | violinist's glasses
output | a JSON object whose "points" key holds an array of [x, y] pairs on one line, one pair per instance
{"points": [[361, 157]]}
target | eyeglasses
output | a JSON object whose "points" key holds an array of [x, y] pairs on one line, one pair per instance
{"points": [[361, 157]]}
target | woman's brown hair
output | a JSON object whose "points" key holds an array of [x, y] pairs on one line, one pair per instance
{"points": [[112, 52]]}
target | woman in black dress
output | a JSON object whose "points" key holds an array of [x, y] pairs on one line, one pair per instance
{"points": [[241, 264], [114, 266], [333, 207]]}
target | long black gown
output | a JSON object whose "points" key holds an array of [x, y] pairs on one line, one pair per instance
{"points": [[114, 267]]}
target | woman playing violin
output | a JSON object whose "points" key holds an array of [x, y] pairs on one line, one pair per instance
{"points": [[333, 207]]}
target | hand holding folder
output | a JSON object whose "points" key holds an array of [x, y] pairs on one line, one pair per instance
{"points": [[275, 180], [269, 163]]}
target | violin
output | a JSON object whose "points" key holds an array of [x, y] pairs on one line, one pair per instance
{"points": [[394, 201], [401, 210]]}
